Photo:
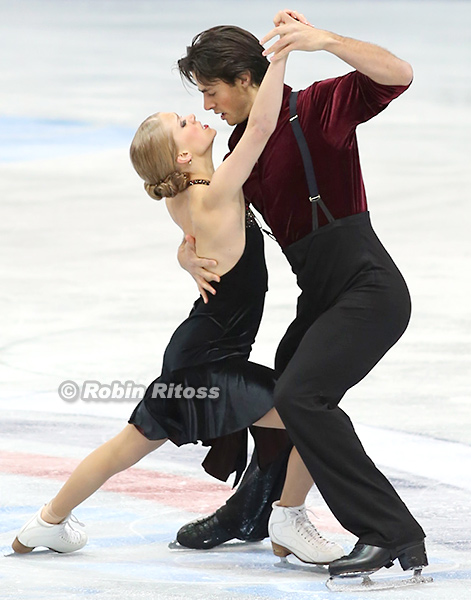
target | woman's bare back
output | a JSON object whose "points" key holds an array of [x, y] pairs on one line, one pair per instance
{"points": [[219, 231]]}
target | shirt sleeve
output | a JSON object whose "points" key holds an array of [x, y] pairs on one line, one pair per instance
{"points": [[342, 103]]}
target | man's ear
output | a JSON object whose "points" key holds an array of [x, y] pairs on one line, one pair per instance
{"points": [[245, 79], [184, 158]]}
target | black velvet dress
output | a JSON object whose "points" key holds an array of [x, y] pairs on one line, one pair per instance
{"points": [[208, 389]]}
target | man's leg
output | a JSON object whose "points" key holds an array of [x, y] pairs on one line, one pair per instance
{"points": [[336, 352]]}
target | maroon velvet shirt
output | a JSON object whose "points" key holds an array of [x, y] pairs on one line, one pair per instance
{"points": [[329, 112]]}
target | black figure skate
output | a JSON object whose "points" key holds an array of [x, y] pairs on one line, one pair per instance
{"points": [[364, 560]]}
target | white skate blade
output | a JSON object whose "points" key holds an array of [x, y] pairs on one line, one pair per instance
{"points": [[225, 547], [366, 585], [284, 563], [176, 546]]}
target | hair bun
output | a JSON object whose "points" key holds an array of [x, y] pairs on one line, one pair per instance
{"points": [[169, 187], [152, 190]]}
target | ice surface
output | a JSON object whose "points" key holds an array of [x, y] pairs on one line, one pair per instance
{"points": [[91, 289]]}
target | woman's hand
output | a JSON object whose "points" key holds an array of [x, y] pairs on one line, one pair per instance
{"points": [[296, 33], [197, 267]]}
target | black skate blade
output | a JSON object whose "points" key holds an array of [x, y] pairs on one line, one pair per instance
{"points": [[335, 584]]}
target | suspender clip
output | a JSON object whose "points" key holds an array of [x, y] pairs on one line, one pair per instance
{"points": [[293, 117], [315, 198]]}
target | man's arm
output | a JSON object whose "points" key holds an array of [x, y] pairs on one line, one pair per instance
{"points": [[296, 33], [197, 267]]}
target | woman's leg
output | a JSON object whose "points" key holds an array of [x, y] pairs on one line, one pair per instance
{"points": [[271, 420], [289, 527], [50, 527], [118, 454], [298, 480]]}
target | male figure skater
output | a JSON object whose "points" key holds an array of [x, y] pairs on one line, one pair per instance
{"points": [[354, 303]]}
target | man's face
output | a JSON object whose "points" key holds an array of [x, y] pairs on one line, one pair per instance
{"points": [[232, 102]]}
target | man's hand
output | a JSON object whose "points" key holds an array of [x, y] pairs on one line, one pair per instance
{"points": [[296, 33], [197, 267]]}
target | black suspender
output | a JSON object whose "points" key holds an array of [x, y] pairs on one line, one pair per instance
{"points": [[314, 196]]}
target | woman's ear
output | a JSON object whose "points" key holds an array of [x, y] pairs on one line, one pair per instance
{"points": [[184, 158]]}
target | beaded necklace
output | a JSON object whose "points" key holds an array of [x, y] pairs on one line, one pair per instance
{"points": [[199, 181]]}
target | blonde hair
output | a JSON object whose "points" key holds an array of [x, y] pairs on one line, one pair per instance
{"points": [[153, 154]]}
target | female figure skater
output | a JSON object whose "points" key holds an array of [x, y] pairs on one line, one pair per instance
{"points": [[208, 390]]}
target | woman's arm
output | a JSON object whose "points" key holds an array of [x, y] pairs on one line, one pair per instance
{"points": [[230, 176], [233, 172]]}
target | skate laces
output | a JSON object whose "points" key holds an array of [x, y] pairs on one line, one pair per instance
{"points": [[70, 533], [74, 519], [305, 526]]}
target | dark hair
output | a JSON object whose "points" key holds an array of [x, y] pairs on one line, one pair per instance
{"points": [[224, 52]]}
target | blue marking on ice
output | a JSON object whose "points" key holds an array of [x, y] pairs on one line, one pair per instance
{"points": [[152, 570], [14, 517], [101, 514], [275, 593], [464, 574], [128, 540], [29, 138]]}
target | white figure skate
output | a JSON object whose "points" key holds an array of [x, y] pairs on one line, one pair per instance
{"points": [[64, 537], [291, 532]]}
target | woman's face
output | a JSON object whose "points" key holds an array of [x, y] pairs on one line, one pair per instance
{"points": [[189, 134]]}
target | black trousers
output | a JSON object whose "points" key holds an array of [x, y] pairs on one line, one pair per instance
{"points": [[353, 307]]}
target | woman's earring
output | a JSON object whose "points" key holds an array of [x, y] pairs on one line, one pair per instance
{"points": [[189, 162]]}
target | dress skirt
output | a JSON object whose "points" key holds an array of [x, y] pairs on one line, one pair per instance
{"points": [[208, 390]]}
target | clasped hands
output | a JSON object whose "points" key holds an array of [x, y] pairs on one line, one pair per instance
{"points": [[296, 33]]}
